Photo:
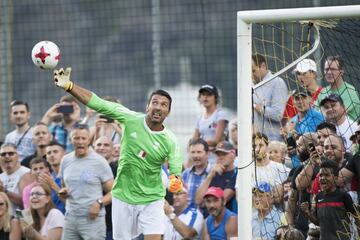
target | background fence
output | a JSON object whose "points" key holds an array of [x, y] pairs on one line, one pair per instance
{"points": [[126, 49]]}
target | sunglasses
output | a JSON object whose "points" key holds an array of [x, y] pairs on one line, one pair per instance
{"points": [[255, 190], [37, 194], [2, 203], [10, 154]]}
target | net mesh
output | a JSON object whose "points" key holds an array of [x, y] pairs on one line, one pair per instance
{"points": [[281, 44]]}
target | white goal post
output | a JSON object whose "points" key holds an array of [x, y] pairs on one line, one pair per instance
{"points": [[245, 19]]}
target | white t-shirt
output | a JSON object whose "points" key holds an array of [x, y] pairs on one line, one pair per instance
{"points": [[273, 173], [11, 182], [26, 147], [191, 217], [207, 127], [345, 130], [54, 219]]}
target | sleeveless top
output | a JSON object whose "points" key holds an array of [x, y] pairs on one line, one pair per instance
{"points": [[218, 233]]}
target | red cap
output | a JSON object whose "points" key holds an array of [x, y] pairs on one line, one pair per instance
{"points": [[214, 191]]}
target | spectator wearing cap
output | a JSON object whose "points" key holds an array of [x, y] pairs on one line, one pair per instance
{"points": [[221, 223], [306, 73], [212, 125], [333, 73], [269, 99], [183, 221], [223, 175], [200, 169], [307, 118], [265, 218], [334, 110]]}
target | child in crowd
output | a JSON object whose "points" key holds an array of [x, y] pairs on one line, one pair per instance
{"points": [[332, 207]]}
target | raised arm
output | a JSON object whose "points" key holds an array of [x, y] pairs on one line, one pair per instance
{"points": [[62, 80]]}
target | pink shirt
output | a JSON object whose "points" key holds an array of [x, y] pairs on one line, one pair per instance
{"points": [[26, 195]]}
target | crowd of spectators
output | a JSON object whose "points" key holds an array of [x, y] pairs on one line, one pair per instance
{"points": [[304, 180]]}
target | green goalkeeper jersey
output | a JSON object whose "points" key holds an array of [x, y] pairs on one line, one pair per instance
{"points": [[143, 151]]}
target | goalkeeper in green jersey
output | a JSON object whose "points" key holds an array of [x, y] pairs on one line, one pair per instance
{"points": [[138, 192]]}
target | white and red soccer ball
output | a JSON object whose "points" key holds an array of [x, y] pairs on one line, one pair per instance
{"points": [[45, 55]]}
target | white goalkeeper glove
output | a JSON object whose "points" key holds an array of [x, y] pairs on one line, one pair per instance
{"points": [[62, 79]]}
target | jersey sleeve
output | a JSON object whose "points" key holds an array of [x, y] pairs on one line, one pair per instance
{"points": [[175, 157], [110, 109]]}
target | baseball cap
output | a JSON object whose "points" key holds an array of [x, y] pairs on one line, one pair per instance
{"points": [[305, 66], [262, 187], [224, 146], [332, 97], [301, 91], [214, 191], [209, 88]]}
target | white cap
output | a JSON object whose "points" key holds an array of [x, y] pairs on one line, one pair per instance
{"points": [[305, 66]]}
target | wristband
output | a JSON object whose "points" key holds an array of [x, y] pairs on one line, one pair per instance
{"points": [[172, 216], [70, 86]]}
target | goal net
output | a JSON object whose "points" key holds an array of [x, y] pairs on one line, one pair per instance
{"points": [[287, 54]]}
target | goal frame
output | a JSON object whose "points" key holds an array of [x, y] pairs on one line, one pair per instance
{"points": [[244, 90]]}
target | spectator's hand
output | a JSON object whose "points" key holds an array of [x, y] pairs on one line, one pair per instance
{"points": [[304, 206], [52, 114], [99, 122], [117, 127], [62, 78], [27, 229], [291, 151], [175, 184], [167, 208], [46, 179], [315, 158], [63, 193], [218, 168], [94, 210]]}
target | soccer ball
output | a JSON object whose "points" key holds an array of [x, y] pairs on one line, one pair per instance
{"points": [[45, 55]]}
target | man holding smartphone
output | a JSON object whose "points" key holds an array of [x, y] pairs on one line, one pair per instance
{"points": [[138, 192], [61, 117]]}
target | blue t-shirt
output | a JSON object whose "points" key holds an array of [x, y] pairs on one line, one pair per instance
{"points": [[218, 233], [309, 123]]}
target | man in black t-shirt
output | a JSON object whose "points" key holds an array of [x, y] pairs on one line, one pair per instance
{"points": [[332, 208]]}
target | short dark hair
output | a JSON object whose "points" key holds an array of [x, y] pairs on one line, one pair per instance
{"points": [[56, 143], [161, 92], [40, 124], [37, 160], [340, 62], [199, 141], [326, 124], [79, 125], [19, 102], [258, 59], [262, 136], [326, 163]]}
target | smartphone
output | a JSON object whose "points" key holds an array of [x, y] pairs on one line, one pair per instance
{"points": [[19, 213], [291, 142], [65, 109], [312, 147], [108, 120]]}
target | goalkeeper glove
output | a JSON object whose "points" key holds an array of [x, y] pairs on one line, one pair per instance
{"points": [[175, 184], [62, 79]]}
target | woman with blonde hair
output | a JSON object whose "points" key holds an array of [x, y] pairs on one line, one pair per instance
{"points": [[9, 226], [48, 220]]}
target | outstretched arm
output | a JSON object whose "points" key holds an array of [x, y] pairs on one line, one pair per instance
{"points": [[62, 80]]}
